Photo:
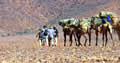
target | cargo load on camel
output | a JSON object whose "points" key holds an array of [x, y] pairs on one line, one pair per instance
{"points": [[85, 22], [67, 21], [106, 13], [112, 18], [97, 19]]}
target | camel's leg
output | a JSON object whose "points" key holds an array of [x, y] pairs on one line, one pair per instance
{"points": [[106, 37], [89, 34], [64, 39], [70, 39], [75, 38], [96, 37], [112, 38], [78, 39], [118, 33], [103, 38], [85, 40], [110, 32], [79, 36]]}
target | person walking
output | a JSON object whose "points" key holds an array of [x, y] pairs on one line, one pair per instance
{"points": [[40, 36], [55, 35], [51, 33], [45, 29]]}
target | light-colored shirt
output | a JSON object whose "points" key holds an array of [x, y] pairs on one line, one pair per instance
{"points": [[51, 32]]}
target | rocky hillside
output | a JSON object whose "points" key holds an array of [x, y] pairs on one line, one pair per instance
{"points": [[27, 15]]}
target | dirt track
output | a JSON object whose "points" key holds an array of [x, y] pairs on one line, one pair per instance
{"points": [[23, 49]]}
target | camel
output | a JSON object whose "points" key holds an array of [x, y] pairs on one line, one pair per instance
{"points": [[81, 30], [101, 28], [67, 31], [115, 21], [116, 25]]}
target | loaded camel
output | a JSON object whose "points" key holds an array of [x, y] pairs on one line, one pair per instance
{"points": [[67, 30], [101, 28], [82, 27]]}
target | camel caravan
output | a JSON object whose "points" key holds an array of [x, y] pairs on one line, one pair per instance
{"points": [[102, 22]]}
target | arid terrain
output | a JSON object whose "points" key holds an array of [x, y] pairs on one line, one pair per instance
{"points": [[25, 49], [20, 19]]}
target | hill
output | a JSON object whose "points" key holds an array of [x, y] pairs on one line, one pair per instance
{"points": [[29, 15]]}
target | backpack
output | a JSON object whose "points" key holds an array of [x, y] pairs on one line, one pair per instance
{"points": [[46, 32]]}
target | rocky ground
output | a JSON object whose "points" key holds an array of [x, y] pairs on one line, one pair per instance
{"points": [[24, 49]]}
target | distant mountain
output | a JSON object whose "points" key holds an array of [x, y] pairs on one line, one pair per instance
{"points": [[29, 15]]}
